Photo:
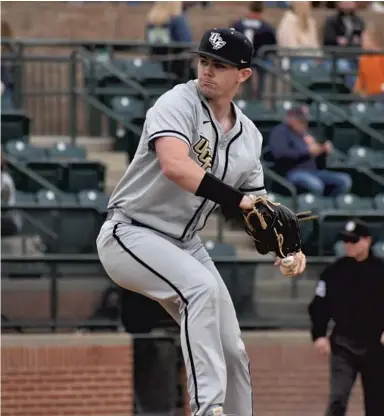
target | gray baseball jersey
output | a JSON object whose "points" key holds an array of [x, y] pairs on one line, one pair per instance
{"points": [[145, 195]]}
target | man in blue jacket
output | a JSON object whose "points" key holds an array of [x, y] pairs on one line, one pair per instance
{"points": [[295, 151]]}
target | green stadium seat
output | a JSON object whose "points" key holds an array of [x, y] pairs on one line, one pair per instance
{"points": [[93, 199], [371, 114], [51, 171], [25, 198], [23, 151], [65, 152], [332, 223], [128, 107], [338, 249], [285, 200], [15, 125], [351, 202], [362, 156], [79, 228], [316, 204], [264, 118], [309, 229], [379, 201], [79, 176], [378, 249], [48, 198]]}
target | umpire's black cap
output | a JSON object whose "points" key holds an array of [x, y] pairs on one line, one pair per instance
{"points": [[228, 46], [354, 230]]}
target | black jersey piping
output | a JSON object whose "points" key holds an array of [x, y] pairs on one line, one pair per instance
{"points": [[224, 172], [260, 188], [201, 206], [181, 296], [170, 132]]}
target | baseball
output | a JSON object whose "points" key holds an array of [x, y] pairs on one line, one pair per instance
{"points": [[287, 261]]}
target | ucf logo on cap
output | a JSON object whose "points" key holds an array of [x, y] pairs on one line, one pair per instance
{"points": [[216, 41]]}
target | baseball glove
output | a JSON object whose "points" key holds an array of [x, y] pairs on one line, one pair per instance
{"points": [[274, 227]]}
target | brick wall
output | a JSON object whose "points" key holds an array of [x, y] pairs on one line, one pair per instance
{"points": [[74, 375], [92, 375], [288, 377]]}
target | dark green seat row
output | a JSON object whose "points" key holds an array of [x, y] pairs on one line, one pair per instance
{"points": [[67, 176]]}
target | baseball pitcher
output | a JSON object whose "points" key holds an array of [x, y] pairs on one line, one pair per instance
{"points": [[197, 152]]}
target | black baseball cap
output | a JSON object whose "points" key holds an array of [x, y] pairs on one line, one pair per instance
{"points": [[354, 230], [228, 46]]}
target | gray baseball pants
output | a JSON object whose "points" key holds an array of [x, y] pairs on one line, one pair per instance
{"points": [[185, 281]]}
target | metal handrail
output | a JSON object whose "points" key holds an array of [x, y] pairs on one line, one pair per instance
{"points": [[107, 64], [34, 176], [321, 100]]}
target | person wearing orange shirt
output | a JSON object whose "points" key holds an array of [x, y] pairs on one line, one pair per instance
{"points": [[370, 80]]}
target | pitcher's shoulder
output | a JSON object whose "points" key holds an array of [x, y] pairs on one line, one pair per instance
{"points": [[184, 94]]}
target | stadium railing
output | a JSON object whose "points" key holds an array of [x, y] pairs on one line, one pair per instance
{"points": [[55, 323]]}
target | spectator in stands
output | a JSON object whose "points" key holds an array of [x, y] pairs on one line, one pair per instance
{"points": [[344, 28], [166, 23], [295, 152], [298, 30], [260, 33], [370, 80], [7, 82], [10, 220]]}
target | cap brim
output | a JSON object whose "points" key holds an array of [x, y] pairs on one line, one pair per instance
{"points": [[216, 57], [346, 236]]}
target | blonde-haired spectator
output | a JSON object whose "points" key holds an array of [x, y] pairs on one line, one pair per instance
{"points": [[298, 30], [370, 79], [166, 23]]}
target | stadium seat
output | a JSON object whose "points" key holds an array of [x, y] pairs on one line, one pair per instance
{"points": [[48, 198], [338, 249], [333, 223], [316, 204], [25, 198], [309, 229], [51, 171], [24, 152], [79, 176], [378, 249], [285, 200], [79, 228], [379, 202], [363, 156], [93, 199], [65, 152], [128, 107], [15, 125], [351, 202]]}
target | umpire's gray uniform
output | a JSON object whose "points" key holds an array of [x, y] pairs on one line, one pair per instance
{"points": [[149, 243]]}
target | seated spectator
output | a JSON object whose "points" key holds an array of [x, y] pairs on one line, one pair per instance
{"points": [[166, 23], [10, 220], [295, 152], [260, 33], [345, 27], [370, 80], [298, 30]]}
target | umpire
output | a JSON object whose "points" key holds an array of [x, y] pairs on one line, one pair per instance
{"points": [[351, 293]]}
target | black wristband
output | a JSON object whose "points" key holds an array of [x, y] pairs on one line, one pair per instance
{"points": [[217, 191]]}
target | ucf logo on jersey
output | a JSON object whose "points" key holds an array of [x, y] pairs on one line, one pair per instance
{"points": [[204, 153]]}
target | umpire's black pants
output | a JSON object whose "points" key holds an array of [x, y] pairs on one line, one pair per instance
{"points": [[350, 357]]}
